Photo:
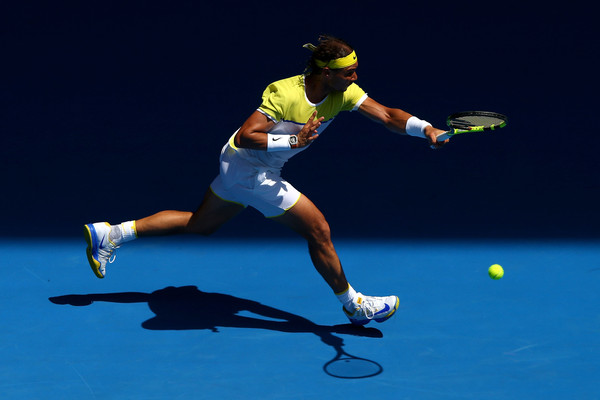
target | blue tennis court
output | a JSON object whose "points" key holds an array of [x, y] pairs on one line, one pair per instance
{"points": [[220, 319], [113, 111]]}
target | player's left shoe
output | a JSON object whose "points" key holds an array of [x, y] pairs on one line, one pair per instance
{"points": [[100, 250], [379, 309]]}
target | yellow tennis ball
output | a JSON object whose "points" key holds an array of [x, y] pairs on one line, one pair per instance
{"points": [[496, 271]]}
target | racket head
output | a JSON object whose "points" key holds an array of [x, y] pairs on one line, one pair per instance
{"points": [[476, 120]]}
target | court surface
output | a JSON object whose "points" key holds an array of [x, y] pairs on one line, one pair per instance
{"points": [[218, 319]]}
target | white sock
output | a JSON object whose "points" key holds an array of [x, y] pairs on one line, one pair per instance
{"points": [[123, 233], [348, 298]]}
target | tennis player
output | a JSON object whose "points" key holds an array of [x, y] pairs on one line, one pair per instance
{"points": [[293, 114]]}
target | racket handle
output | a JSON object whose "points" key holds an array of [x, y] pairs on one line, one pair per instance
{"points": [[443, 136]]}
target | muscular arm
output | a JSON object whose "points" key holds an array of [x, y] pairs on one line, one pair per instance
{"points": [[253, 133], [394, 119]]}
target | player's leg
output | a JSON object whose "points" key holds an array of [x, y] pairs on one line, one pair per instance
{"points": [[210, 215], [103, 239], [306, 219]]}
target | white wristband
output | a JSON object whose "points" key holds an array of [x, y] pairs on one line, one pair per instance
{"points": [[278, 142], [416, 127]]}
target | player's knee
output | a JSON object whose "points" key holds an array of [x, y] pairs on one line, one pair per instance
{"points": [[320, 232]]}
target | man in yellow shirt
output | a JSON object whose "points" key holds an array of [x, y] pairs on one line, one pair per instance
{"points": [[292, 115]]}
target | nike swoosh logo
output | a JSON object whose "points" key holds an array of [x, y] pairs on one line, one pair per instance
{"points": [[383, 310], [276, 138], [102, 243]]}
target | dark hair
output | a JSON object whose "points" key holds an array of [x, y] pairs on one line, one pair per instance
{"points": [[329, 48]]}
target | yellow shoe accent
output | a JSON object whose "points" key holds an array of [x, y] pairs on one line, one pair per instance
{"points": [[93, 262]]}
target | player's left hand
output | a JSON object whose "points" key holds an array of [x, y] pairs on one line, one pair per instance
{"points": [[431, 134], [308, 133]]}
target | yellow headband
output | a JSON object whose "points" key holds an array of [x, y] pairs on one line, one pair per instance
{"points": [[337, 63]]}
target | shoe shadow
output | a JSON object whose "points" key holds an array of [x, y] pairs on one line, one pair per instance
{"points": [[187, 308]]}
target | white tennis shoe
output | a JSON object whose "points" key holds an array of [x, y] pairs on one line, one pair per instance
{"points": [[100, 250], [372, 308]]}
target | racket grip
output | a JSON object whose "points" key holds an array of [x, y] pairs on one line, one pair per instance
{"points": [[443, 136]]}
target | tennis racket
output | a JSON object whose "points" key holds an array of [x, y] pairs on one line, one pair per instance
{"points": [[472, 121]]}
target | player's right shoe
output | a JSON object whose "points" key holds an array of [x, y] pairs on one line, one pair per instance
{"points": [[372, 308], [101, 249]]}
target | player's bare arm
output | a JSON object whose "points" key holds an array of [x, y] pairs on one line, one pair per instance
{"points": [[253, 133], [394, 119]]}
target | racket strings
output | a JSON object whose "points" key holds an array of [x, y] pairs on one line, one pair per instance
{"points": [[470, 121]]}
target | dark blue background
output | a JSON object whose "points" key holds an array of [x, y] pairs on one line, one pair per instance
{"points": [[114, 111]]}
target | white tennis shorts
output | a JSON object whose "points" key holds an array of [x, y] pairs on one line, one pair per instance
{"points": [[262, 188]]}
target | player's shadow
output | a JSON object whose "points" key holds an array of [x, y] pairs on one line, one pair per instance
{"points": [[185, 308]]}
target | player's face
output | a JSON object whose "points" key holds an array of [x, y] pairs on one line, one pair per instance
{"points": [[342, 78]]}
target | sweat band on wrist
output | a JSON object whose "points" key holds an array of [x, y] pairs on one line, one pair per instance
{"points": [[278, 142], [416, 127]]}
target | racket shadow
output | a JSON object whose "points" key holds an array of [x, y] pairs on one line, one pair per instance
{"points": [[188, 308]]}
